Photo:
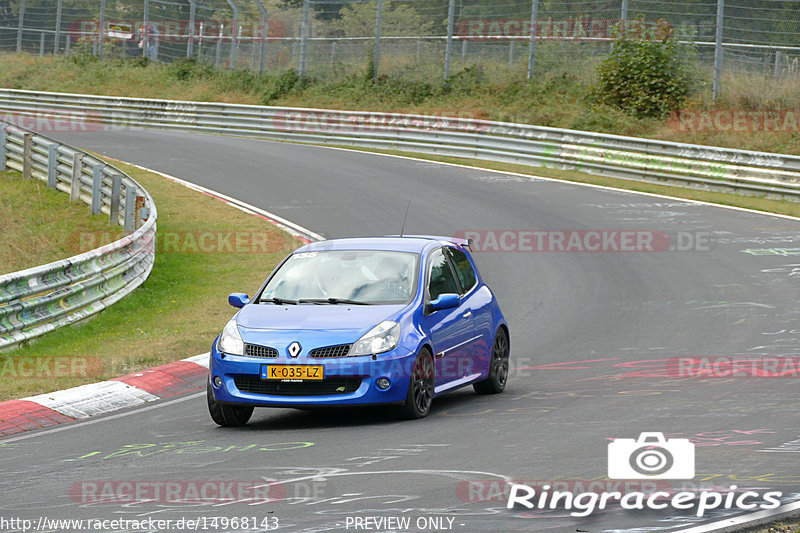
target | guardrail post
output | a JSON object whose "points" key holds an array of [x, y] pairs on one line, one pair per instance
{"points": [[77, 172], [3, 140], [27, 148], [130, 208], [116, 184], [52, 165], [97, 188]]}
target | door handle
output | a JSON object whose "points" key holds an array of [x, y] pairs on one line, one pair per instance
{"points": [[467, 314]]}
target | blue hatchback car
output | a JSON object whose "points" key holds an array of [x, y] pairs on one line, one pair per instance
{"points": [[355, 321]]}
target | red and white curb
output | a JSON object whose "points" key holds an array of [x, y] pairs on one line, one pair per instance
{"points": [[94, 399]]}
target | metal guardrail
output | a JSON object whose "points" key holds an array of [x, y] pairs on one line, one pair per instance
{"points": [[615, 156], [40, 299]]}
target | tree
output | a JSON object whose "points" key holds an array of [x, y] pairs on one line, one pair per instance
{"points": [[358, 20]]}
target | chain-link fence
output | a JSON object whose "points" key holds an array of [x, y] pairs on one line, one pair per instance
{"points": [[414, 38]]}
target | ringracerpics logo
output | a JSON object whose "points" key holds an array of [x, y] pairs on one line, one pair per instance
{"points": [[651, 456], [648, 457]]}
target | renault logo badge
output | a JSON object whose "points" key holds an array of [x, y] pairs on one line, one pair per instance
{"points": [[294, 349]]}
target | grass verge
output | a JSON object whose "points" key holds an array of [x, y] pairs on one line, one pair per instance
{"points": [[39, 225], [559, 97], [205, 250]]}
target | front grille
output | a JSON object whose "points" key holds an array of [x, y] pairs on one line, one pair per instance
{"points": [[254, 350], [330, 351], [256, 385]]}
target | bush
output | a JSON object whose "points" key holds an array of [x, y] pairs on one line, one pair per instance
{"points": [[645, 74], [287, 83]]}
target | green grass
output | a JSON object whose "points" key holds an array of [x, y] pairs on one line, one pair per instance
{"points": [[559, 97], [177, 312], [40, 225]]}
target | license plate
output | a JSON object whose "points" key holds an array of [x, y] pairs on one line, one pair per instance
{"points": [[293, 372]]}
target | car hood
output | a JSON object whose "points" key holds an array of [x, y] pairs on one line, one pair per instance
{"points": [[357, 318]]}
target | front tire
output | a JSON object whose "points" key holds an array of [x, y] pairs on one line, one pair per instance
{"points": [[495, 383], [420, 389], [227, 415]]}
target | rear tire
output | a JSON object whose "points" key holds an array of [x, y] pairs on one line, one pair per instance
{"points": [[420, 389], [227, 415], [495, 383]]}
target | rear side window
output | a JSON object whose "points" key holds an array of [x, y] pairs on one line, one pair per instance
{"points": [[466, 275], [441, 279]]}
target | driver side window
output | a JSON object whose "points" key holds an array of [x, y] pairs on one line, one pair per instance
{"points": [[440, 278]]}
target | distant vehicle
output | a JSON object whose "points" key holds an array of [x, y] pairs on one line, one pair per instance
{"points": [[374, 320]]}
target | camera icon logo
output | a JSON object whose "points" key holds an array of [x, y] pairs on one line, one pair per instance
{"points": [[651, 456]]}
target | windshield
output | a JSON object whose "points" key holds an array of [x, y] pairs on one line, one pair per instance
{"points": [[344, 276]]}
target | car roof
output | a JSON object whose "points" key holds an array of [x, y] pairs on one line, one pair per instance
{"points": [[414, 243]]}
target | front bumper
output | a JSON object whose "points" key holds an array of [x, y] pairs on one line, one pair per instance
{"points": [[358, 376]]}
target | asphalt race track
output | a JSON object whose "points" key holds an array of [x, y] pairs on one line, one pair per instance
{"points": [[595, 337]]}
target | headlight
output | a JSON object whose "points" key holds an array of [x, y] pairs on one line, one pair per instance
{"points": [[231, 341], [381, 338]]}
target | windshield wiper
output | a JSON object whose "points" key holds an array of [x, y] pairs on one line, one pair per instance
{"points": [[333, 301], [278, 301]]}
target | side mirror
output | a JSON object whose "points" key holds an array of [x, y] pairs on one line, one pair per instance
{"points": [[238, 300], [445, 301]]}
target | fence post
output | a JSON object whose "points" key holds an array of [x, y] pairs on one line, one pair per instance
{"points": [[101, 32], [59, 9], [192, 21], [777, 72], [146, 32], [264, 27], [333, 52], [3, 140], [52, 165], [448, 50], [116, 185], [97, 188], [304, 37], [41, 44], [624, 14], [464, 49], [511, 52], [27, 148], [218, 56], [130, 208], [67, 46], [376, 49], [21, 24], [718, 49], [77, 172], [234, 34], [532, 44]]}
